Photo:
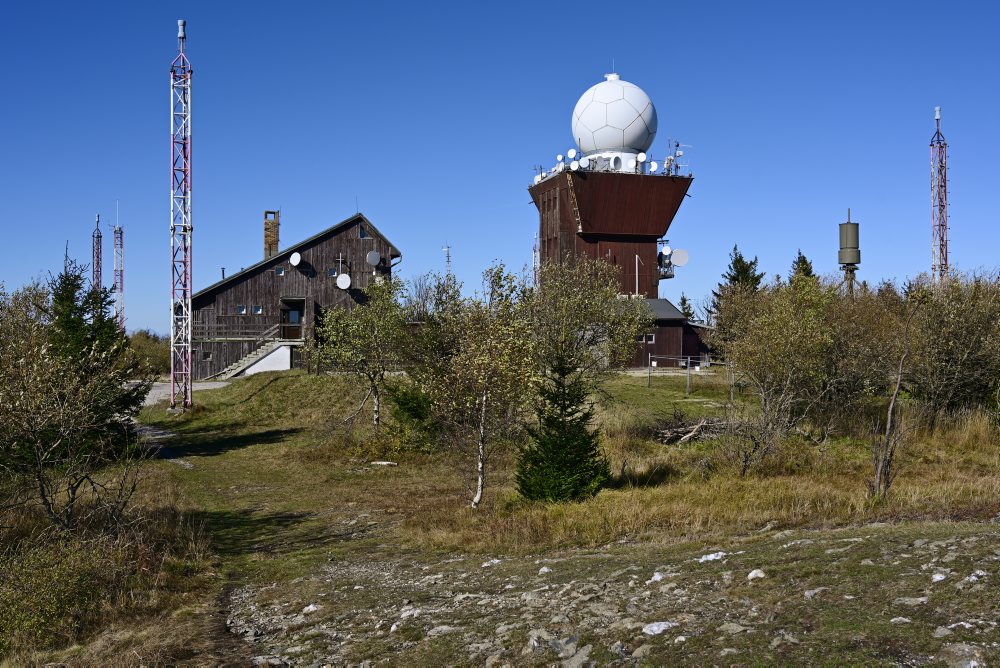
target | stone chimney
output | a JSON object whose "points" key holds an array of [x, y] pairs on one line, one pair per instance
{"points": [[272, 220]]}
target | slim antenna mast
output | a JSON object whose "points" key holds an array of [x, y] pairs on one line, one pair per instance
{"points": [[119, 272], [95, 263], [180, 225], [939, 201], [447, 258]]}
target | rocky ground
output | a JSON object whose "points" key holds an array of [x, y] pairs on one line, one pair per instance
{"points": [[909, 594]]}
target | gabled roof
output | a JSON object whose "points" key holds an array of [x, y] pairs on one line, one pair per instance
{"points": [[663, 310], [277, 257]]}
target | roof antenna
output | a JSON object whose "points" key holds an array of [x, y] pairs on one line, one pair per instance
{"points": [[447, 258]]}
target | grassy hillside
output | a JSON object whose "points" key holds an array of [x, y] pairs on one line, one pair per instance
{"points": [[296, 514]]}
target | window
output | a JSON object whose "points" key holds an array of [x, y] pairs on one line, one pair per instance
{"points": [[646, 338], [280, 271], [362, 232], [206, 355], [332, 273], [241, 309], [258, 310]]}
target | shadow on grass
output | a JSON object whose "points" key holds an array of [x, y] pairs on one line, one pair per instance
{"points": [[247, 531], [211, 443], [653, 476]]}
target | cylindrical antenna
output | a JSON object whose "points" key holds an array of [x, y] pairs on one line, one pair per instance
{"points": [[181, 25]]}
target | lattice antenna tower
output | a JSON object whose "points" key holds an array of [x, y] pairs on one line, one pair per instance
{"points": [[180, 225], [119, 273], [95, 261], [939, 201], [447, 259]]}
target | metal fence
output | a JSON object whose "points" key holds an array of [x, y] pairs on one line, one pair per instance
{"points": [[698, 372]]}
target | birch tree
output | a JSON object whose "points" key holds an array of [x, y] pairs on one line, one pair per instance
{"points": [[480, 392], [366, 341]]}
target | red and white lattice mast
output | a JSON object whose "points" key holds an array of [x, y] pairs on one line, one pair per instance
{"points": [[119, 276], [180, 226], [939, 202], [95, 259]]}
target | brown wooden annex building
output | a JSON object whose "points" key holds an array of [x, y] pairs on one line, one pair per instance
{"points": [[256, 319], [620, 218]]}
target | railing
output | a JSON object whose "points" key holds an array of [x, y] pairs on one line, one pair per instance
{"points": [[236, 331]]}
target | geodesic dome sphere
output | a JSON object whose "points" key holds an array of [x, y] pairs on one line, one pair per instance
{"points": [[614, 115]]}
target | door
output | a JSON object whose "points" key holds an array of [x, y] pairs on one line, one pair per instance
{"points": [[291, 319]]}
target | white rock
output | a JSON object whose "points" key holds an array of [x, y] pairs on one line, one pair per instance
{"points": [[900, 620], [383, 463], [409, 612], [392, 629], [491, 562], [312, 607], [713, 556], [657, 576], [543, 570], [680, 639], [756, 574], [811, 593], [937, 577], [656, 628], [911, 601]]}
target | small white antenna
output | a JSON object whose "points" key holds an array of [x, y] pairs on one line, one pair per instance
{"points": [[340, 263]]}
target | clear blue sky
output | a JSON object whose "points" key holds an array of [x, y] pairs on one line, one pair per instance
{"points": [[432, 116]]}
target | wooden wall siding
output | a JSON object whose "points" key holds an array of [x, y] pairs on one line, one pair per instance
{"points": [[618, 216], [214, 310]]}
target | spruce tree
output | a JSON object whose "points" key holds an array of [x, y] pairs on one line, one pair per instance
{"points": [[801, 266], [563, 461], [741, 273], [685, 307]]}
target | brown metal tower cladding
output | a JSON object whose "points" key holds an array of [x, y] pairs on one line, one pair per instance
{"points": [[272, 220], [609, 215]]}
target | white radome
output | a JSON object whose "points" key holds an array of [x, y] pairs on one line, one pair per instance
{"points": [[614, 115]]}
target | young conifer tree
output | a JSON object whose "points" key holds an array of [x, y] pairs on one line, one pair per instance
{"points": [[563, 461]]}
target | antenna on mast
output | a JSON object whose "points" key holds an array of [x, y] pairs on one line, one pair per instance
{"points": [[447, 258], [96, 247], [119, 234], [939, 201], [849, 256], [180, 226]]}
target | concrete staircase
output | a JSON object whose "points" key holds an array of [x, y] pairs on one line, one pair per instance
{"points": [[241, 365]]}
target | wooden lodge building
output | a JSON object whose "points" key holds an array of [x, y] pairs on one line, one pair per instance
{"points": [[257, 319]]}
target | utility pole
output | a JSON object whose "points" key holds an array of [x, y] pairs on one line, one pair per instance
{"points": [[939, 202], [180, 225]]}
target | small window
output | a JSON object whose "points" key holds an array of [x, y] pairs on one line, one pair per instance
{"points": [[241, 309], [362, 232], [332, 273], [646, 338], [280, 271], [206, 355], [258, 310]]}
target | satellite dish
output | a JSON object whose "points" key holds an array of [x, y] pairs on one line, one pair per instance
{"points": [[559, 158], [561, 166], [295, 259], [571, 153], [653, 166], [641, 157], [343, 281], [631, 163], [679, 258], [574, 165], [666, 250], [538, 178], [373, 258], [585, 162]]}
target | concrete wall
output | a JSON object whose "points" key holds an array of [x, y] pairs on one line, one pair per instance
{"points": [[279, 359]]}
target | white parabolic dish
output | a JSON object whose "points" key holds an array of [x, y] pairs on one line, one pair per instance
{"points": [[343, 281], [679, 257], [295, 259], [373, 258]]}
